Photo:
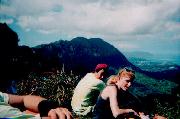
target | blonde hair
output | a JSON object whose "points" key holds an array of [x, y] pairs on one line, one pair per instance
{"points": [[126, 73], [122, 73], [112, 79]]}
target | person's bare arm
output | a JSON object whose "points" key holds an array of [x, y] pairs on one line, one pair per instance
{"points": [[112, 94]]}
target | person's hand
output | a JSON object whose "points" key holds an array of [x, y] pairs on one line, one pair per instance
{"points": [[59, 113], [131, 111], [143, 116]]}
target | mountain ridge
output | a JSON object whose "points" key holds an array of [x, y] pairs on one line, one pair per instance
{"points": [[80, 53], [83, 52]]}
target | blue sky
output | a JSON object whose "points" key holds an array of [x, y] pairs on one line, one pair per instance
{"points": [[130, 25]]}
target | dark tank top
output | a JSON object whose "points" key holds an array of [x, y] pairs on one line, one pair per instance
{"points": [[126, 100]]}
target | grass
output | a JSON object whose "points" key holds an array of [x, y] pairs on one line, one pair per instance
{"points": [[60, 86]]}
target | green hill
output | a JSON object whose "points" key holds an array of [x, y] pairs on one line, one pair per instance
{"points": [[144, 85]]}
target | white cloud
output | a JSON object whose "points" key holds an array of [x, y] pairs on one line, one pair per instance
{"points": [[108, 19], [97, 16], [127, 46]]}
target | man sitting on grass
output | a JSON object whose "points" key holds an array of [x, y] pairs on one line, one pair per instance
{"points": [[87, 91]]}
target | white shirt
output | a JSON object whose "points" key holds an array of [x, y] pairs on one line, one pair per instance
{"points": [[86, 93]]}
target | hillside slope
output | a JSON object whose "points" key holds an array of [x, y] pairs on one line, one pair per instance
{"points": [[81, 54]]}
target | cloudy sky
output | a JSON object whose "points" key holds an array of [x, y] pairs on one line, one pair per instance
{"points": [[130, 25]]}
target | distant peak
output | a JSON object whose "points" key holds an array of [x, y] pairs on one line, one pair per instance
{"points": [[79, 38], [83, 38], [96, 39]]}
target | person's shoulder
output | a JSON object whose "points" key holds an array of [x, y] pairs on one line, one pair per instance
{"points": [[110, 90], [92, 78], [88, 76], [111, 87], [85, 78]]}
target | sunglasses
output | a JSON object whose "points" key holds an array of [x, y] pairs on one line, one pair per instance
{"points": [[129, 69]]}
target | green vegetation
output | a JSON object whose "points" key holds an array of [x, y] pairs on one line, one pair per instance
{"points": [[166, 109], [54, 86], [60, 86], [148, 85], [159, 95]]}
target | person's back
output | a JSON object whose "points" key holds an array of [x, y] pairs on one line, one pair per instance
{"points": [[115, 101], [85, 94], [87, 91], [125, 100], [102, 109]]}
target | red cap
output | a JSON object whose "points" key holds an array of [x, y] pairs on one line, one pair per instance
{"points": [[101, 66]]}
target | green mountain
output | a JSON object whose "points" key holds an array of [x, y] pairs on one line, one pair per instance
{"points": [[81, 55]]}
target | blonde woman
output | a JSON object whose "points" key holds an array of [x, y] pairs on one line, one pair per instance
{"points": [[115, 101]]}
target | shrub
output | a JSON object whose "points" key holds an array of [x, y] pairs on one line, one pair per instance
{"points": [[54, 86]]}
